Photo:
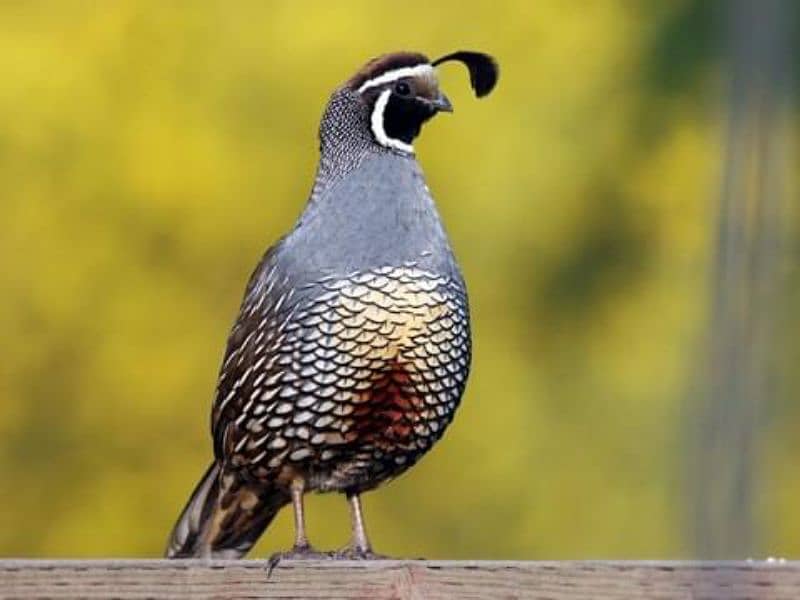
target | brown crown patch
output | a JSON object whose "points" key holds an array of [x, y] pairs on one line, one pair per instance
{"points": [[386, 62]]}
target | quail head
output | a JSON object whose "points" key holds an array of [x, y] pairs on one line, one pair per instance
{"points": [[351, 349]]}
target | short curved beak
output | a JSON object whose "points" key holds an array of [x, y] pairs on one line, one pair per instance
{"points": [[442, 104]]}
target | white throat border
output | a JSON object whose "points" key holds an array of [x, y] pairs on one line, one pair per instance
{"points": [[379, 131]]}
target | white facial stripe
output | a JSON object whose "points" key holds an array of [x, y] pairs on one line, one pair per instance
{"points": [[395, 75], [376, 121]]}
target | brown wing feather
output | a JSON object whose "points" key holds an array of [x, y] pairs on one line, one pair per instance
{"points": [[251, 339]]}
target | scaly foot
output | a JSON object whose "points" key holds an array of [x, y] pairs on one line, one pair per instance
{"points": [[351, 553], [297, 553]]}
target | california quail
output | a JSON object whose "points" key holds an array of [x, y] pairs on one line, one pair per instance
{"points": [[352, 345]]}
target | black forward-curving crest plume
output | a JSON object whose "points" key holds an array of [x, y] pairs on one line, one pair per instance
{"points": [[483, 69]]}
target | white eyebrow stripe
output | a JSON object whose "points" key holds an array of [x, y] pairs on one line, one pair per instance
{"points": [[396, 74], [377, 125]]}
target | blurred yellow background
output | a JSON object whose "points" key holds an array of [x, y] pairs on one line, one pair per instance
{"points": [[150, 151]]}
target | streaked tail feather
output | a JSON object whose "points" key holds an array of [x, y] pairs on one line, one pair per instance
{"points": [[223, 521]]}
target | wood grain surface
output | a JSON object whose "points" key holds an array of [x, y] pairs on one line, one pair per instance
{"points": [[757, 580]]}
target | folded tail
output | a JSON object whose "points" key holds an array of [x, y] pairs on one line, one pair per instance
{"points": [[223, 519]]}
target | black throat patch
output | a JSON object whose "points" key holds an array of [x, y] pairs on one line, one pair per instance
{"points": [[403, 118]]}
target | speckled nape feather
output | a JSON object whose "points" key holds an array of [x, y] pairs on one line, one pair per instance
{"points": [[352, 346]]}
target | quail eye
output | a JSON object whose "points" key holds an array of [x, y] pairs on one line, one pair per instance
{"points": [[401, 88]]}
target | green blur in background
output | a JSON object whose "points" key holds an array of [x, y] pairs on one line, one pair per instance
{"points": [[150, 152]]}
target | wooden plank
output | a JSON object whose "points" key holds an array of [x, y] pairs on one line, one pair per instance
{"points": [[757, 580]]}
